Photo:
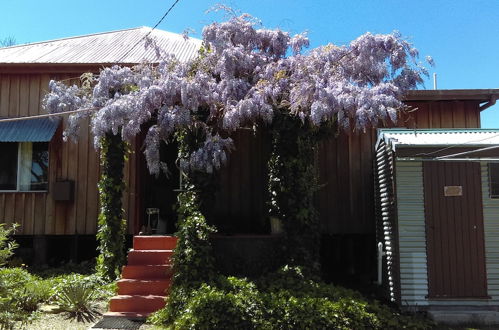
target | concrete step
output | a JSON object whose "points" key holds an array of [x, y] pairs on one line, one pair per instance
{"points": [[149, 257], [465, 317], [127, 315], [154, 242], [147, 272], [143, 287], [136, 303]]}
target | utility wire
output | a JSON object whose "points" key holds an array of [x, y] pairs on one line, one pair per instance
{"points": [[5, 120], [149, 33]]}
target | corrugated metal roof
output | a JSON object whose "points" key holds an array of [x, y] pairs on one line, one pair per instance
{"points": [[102, 48], [32, 130], [439, 137]]}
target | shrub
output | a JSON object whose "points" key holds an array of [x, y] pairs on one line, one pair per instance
{"points": [[102, 289], [211, 307], [26, 291], [77, 299], [19, 297], [287, 299], [7, 246]]}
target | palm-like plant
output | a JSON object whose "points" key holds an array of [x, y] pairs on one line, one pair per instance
{"points": [[77, 300]]}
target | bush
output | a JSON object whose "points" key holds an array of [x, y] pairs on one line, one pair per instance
{"points": [[77, 299], [102, 289], [20, 296], [287, 299], [7, 246], [24, 290]]}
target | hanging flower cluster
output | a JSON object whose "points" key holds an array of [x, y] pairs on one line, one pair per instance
{"points": [[242, 75]]}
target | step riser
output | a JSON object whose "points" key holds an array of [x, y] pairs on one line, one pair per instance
{"points": [[146, 279], [144, 257], [146, 272], [154, 242], [143, 287], [136, 304]]}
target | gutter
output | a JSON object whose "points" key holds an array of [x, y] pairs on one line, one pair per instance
{"points": [[489, 103]]}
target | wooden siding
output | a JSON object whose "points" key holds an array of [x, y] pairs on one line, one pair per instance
{"points": [[412, 235], [37, 212], [346, 202]]}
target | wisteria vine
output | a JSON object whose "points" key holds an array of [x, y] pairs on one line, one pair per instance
{"points": [[243, 74]]}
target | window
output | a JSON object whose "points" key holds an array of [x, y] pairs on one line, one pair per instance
{"points": [[494, 180], [24, 166]]}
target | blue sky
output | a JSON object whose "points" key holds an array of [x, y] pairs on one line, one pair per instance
{"points": [[461, 35]]}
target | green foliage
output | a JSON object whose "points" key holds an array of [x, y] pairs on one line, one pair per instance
{"points": [[112, 226], [7, 246], [102, 289], [232, 304], [286, 299], [292, 184], [19, 297], [44, 271], [193, 261], [76, 296]]}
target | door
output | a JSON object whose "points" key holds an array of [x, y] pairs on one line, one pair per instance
{"points": [[454, 230]]}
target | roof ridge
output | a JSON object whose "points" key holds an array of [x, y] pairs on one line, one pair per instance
{"points": [[80, 36]]}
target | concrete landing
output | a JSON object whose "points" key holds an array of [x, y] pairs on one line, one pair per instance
{"points": [[465, 317]]}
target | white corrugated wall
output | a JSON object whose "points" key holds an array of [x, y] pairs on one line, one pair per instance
{"points": [[491, 227], [412, 236]]}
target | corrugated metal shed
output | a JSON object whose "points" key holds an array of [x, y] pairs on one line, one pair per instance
{"points": [[124, 46], [33, 130], [438, 137]]}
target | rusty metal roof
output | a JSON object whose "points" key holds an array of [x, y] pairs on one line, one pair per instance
{"points": [[399, 137], [120, 47]]}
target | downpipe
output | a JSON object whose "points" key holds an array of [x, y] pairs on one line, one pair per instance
{"points": [[381, 254]]}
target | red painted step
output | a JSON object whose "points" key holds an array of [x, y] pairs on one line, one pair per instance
{"points": [[154, 242], [136, 303], [143, 287], [145, 280], [146, 271], [149, 257]]}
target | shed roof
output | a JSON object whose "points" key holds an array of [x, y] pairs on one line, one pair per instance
{"points": [[400, 137], [115, 47]]}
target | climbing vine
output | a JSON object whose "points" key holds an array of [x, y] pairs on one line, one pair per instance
{"points": [[292, 183], [193, 260], [112, 226]]}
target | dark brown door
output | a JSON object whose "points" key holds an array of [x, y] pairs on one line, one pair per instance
{"points": [[454, 230]]}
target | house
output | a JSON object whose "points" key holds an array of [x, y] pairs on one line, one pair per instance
{"points": [[64, 211], [438, 203], [61, 207]]}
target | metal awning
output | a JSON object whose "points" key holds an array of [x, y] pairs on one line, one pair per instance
{"points": [[404, 137], [442, 144], [33, 130]]}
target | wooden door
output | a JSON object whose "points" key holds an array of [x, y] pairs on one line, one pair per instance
{"points": [[454, 230]]}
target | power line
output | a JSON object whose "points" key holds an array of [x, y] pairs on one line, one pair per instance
{"points": [[4, 120], [149, 33]]}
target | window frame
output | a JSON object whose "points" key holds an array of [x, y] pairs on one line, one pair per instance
{"points": [[18, 177]]}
